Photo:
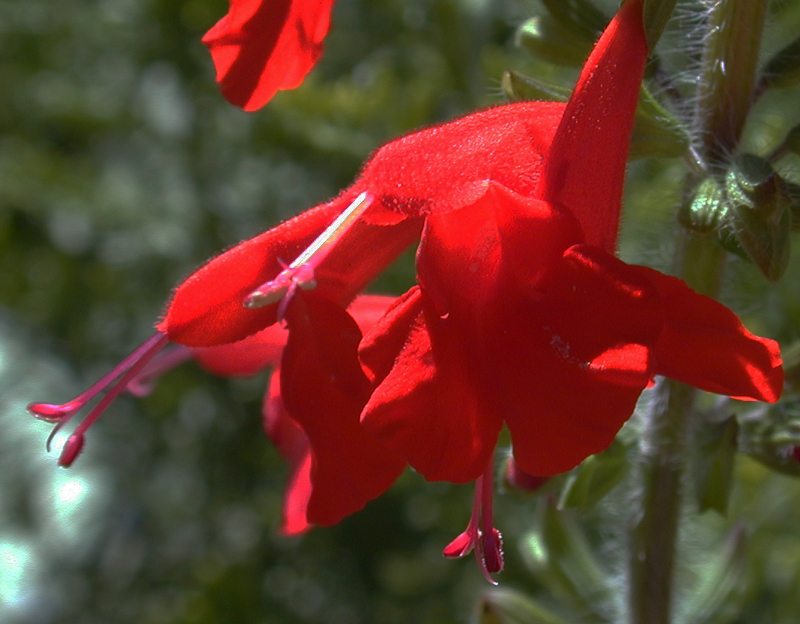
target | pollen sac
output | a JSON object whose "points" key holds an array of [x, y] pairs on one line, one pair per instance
{"points": [[761, 211]]}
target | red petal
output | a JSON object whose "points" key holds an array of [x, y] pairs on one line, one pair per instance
{"points": [[461, 252], [568, 360], [324, 389], [263, 349], [207, 309], [367, 310], [705, 345], [284, 432], [448, 167], [293, 444], [296, 499], [262, 46], [585, 168], [246, 357], [425, 405]]}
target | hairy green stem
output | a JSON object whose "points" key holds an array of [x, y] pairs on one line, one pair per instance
{"points": [[654, 528], [725, 96]]}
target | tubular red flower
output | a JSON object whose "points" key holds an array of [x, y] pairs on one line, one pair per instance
{"points": [[522, 315], [263, 46]]}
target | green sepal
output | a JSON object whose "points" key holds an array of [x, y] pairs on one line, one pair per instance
{"points": [[507, 606], [552, 41], [520, 88], [722, 583], [713, 463], [760, 205], [783, 69], [559, 556], [657, 14], [595, 477], [706, 211], [656, 132]]}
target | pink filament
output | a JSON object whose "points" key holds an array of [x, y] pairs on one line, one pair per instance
{"points": [[480, 534], [131, 366]]}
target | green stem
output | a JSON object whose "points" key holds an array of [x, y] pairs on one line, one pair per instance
{"points": [[725, 96], [654, 528], [728, 76]]}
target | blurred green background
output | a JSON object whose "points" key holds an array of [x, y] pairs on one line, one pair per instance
{"points": [[122, 169]]}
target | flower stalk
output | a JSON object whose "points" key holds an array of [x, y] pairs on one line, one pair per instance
{"points": [[725, 96]]}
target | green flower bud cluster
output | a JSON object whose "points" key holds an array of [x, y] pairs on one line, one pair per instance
{"points": [[751, 211]]}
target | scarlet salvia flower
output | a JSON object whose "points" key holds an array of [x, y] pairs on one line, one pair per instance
{"points": [[263, 46], [522, 315]]}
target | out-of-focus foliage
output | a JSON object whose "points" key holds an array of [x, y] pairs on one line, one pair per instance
{"points": [[122, 168]]}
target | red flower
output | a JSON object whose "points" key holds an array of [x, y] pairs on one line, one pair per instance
{"points": [[523, 316], [263, 46]]}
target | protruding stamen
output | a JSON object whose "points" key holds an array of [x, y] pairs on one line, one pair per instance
{"points": [[62, 413], [480, 534], [129, 368], [300, 273]]}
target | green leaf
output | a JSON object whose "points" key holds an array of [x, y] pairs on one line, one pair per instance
{"points": [[656, 132], [657, 14], [507, 606], [760, 205], [519, 87], [714, 461]]}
